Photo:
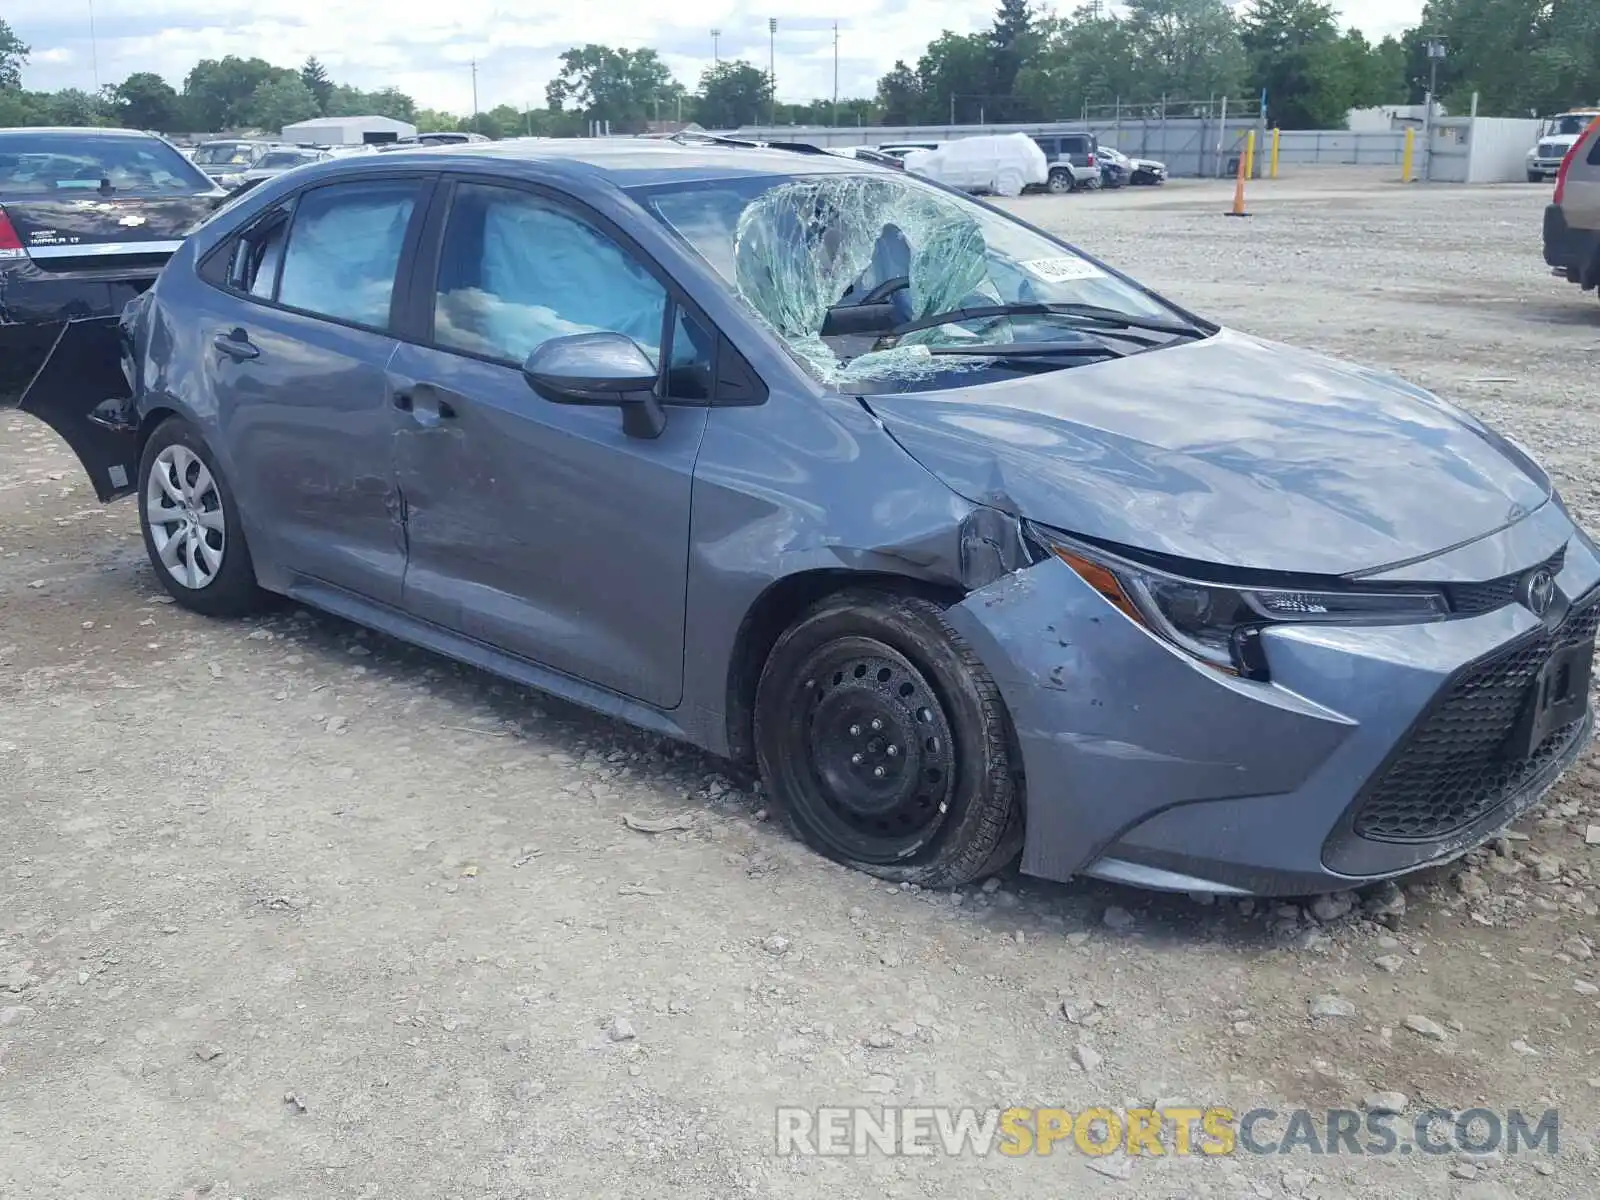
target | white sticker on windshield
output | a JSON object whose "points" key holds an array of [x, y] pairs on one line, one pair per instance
{"points": [[1063, 270]]}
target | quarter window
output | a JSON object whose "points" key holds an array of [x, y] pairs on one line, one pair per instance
{"points": [[344, 249]]}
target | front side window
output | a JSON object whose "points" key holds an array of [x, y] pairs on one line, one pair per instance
{"points": [[344, 249], [516, 270]]}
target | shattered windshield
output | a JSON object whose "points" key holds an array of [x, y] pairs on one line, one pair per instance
{"points": [[838, 265]]}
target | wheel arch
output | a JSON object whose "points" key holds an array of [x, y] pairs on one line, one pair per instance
{"points": [[775, 610]]}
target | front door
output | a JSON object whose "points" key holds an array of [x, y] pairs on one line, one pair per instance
{"points": [[540, 528]]}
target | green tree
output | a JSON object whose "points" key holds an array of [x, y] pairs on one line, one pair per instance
{"points": [[1187, 50], [73, 106], [1294, 53], [18, 107], [732, 94], [900, 100], [954, 76], [13, 57], [282, 101], [1011, 43], [218, 91], [144, 100], [1518, 56], [1086, 60], [315, 76], [385, 102], [622, 86]]}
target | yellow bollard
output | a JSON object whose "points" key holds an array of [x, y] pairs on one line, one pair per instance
{"points": [[1250, 155], [1275, 133], [1405, 158]]}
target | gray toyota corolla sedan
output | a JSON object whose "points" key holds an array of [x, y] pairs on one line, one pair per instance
{"points": [[969, 543]]}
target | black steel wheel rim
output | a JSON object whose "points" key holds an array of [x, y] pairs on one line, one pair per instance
{"points": [[871, 746]]}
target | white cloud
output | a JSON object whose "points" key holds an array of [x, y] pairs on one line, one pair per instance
{"points": [[424, 48]]}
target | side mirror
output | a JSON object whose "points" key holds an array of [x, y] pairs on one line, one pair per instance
{"points": [[599, 369]]}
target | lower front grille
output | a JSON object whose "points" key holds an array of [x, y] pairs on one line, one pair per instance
{"points": [[1453, 768]]}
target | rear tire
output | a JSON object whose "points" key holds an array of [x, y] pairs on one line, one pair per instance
{"points": [[191, 525], [883, 740], [1060, 183]]}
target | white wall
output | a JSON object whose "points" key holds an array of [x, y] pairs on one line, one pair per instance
{"points": [[1499, 149]]}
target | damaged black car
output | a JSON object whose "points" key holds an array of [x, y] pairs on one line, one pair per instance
{"points": [[88, 217]]}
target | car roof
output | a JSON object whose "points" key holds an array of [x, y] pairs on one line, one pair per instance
{"points": [[80, 131], [625, 162]]}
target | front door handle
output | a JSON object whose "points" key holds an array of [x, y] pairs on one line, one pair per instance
{"points": [[236, 344], [426, 402]]}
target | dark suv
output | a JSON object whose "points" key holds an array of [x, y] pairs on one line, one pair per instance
{"points": [[1074, 160]]}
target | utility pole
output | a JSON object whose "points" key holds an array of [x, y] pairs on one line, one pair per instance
{"points": [[1436, 54], [94, 48], [716, 54], [772, 64], [836, 72], [474, 93]]}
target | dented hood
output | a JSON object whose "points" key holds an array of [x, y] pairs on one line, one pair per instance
{"points": [[1229, 450]]}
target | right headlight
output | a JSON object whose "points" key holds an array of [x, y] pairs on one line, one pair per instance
{"points": [[1220, 624]]}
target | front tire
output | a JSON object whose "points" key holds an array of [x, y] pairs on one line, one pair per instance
{"points": [[884, 741], [1535, 176], [191, 525]]}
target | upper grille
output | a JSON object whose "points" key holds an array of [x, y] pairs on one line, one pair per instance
{"points": [[1452, 769], [1474, 598], [1551, 150]]}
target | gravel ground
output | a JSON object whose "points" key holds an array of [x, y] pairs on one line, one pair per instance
{"points": [[290, 910]]}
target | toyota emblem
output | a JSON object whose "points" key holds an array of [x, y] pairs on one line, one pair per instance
{"points": [[1539, 591]]}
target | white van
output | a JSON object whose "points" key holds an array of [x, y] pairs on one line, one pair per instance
{"points": [[1000, 164]]}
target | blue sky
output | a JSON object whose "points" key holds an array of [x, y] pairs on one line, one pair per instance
{"points": [[425, 48]]}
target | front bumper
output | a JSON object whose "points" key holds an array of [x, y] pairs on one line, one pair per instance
{"points": [[1145, 767], [1576, 252], [35, 305]]}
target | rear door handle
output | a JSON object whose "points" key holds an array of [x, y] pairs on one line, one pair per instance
{"points": [[236, 345]]}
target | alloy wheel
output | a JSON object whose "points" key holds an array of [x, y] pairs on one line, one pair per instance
{"points": [[183, 508]]}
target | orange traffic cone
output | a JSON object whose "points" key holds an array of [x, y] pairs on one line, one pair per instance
{"points": [[1238, 192]]}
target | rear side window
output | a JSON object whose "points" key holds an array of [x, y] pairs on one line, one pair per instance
{"points": [[1049, 145], [68, 163], [344, 248], [1594, 149]]}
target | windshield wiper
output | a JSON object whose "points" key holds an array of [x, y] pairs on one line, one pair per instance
{"points": [[1092, 316], [1030, 350]]}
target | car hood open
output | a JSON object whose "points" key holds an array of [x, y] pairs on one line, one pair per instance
{"points": [[1229, 450]]}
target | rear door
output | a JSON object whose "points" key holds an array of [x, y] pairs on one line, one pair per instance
{"points": [[293, 344]]}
